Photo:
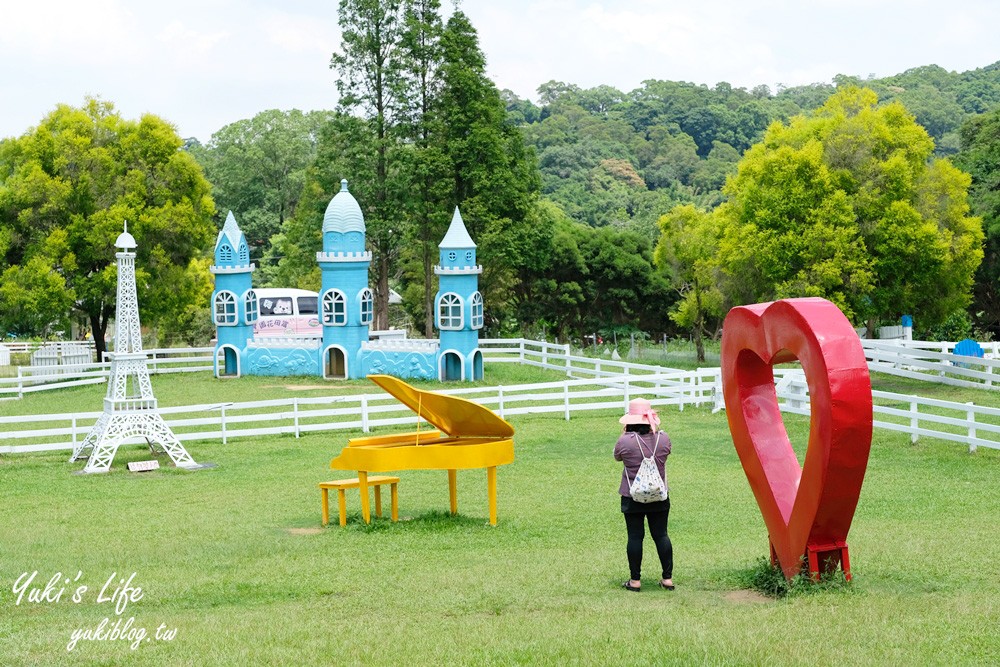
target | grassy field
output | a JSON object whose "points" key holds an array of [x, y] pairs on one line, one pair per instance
{"points": [[234, 559]]}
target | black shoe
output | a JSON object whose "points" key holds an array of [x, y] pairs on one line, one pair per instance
{"points": [[634, 589], [665, 586]]}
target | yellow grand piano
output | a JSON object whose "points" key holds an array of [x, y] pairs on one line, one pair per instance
{"points": [[467, 435]]}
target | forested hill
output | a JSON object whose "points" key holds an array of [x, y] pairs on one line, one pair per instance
{"points": [[609, 157]]}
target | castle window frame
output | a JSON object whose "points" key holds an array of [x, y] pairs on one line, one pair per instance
{"points": [[366, 299], [224, 311], [225, 253], [450, 312], [251, 308], [334, 308], [476, 310]]}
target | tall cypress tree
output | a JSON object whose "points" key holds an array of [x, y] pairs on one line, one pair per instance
{"points": [[494, 176], [370, 65]]}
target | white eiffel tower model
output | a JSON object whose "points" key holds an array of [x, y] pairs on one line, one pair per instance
{"points": [[128, 414]]}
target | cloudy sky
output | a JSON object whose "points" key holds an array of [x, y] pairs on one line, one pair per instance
{"points": [[204, 64]]}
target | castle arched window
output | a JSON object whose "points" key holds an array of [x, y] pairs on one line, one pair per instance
{"points": [[468, 256], [451, 256], [250, 306], [450, 311], [244, 254], [225, 253], [334, 308], [225, 308], [367, 305], [477, 311]]}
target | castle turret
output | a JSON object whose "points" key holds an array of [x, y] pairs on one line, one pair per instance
{"points": [[234, 304], [346, 301], [458, 306]]}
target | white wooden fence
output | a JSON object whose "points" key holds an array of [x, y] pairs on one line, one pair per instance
{"points": [[41, 378], [918, 360], [599, 384], [295, 416], [966, 423]]}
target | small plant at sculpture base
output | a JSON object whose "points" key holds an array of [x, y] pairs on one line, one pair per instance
{"points": [[769, 580]]}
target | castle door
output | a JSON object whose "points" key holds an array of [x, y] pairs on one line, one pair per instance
{"points": [[336, 364], [452, 364], [230, 366]]}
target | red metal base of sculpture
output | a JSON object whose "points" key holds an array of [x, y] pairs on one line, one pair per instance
{"points": [[823, 559]]}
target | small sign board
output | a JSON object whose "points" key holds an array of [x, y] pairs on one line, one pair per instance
{"points": [[143, 466]]}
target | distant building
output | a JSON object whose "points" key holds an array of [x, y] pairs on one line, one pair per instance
{"points": [[346, 347]]}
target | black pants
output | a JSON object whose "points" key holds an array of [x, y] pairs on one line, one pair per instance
{"points": [[657, 519]]}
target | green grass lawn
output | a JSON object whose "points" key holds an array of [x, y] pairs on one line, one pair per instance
{"points": [[233, 556]]}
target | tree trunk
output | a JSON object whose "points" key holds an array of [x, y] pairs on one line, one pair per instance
{"points": [[699, 326], [382, 292], [428, 293], [99, 329]]}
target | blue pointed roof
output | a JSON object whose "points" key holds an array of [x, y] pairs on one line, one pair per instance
{"points": [[231, 232], [343, 214], [458, 235]]}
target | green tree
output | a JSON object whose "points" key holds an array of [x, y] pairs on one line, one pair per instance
{"points": [[494, 175], [257, 169], [687, 253], [371, 79], [427, 164], [845, 204], [66, 188], [980, 157]]}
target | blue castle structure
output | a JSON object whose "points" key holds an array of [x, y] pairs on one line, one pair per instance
{"points": [[347, 348]]}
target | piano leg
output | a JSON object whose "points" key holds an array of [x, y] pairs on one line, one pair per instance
{"points": [[453, 491], [491, 491], [366, 511]]}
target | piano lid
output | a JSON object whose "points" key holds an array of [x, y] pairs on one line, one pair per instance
{"points": [[450, 414]]}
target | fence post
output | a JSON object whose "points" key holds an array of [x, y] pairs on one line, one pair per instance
{"points": [[364, 413], [989, 369], [74, 433], [295, 415], [914, 422], [545, 354], [521, 347], [718, 398], [20, 383], [568, 367], [681, 393], [500, 398], [970, 416], [628, 391], [566, 400], [222, 413]]}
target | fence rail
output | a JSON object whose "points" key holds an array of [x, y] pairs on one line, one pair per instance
{"points": [[295, 416], [943, 367], [592, 384]]}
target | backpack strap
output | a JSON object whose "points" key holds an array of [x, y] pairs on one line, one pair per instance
{"points": [[656, 443]]}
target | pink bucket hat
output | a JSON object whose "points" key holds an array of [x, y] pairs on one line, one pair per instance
{"points": [[640, 412]]}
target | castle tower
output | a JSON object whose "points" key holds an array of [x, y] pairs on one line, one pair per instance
{"points": [[130, 410], [458, 306], [346, 302], [234, 304]]}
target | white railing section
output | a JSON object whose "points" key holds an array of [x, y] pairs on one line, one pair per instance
{"points": [[966, 423], [934, 365], [172, 360], [295, 416]]}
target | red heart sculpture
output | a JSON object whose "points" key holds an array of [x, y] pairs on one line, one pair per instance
{"points": [[806, 509]]}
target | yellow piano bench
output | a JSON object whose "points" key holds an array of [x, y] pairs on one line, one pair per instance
{"points": [[343, 484]]}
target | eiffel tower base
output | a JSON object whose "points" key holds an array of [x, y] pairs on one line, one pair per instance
{"points": [[111, 430]]}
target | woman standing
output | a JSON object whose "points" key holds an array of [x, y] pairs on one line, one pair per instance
{"points": [[642, 439]]}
